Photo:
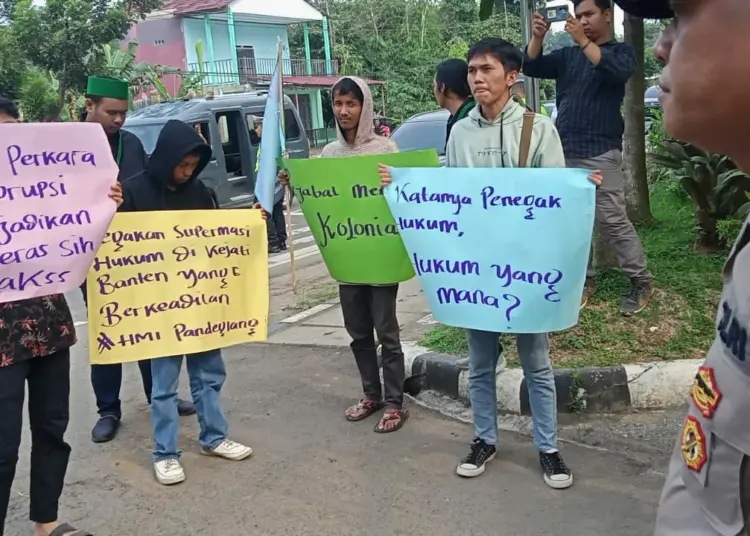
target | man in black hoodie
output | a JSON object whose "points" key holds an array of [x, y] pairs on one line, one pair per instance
{"points": [[170, 182], [107, 105]]}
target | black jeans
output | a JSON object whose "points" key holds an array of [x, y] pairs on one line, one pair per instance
{"points": [[49, 393], [276, 225], [107, 380], [366, 309]]}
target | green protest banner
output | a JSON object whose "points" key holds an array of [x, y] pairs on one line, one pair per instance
{"points": [[349, 218]]}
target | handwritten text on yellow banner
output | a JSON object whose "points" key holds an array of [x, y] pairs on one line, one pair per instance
{"points": [[172, 283]]}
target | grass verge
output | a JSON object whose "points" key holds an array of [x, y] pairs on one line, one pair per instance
{"points": [[679, 323]]}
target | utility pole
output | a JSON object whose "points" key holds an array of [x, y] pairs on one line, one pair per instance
{"points": [[528, 8]]}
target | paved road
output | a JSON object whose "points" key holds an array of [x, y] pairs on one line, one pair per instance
{"points": [[313, 473]]}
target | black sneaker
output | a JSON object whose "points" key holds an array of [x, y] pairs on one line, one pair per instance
{"points": [[474, 464], [556, 473], [637, 299]]}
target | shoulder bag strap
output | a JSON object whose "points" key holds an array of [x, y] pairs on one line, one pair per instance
{"points": [[526, 130]]}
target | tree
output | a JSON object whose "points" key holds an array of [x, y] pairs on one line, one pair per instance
{"points": [[557, 40], [651, 32], [402, 41], [74, 33], [12, 64], [634, 142]]}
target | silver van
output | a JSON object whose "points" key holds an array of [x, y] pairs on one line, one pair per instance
{"points": [[225, 123]]}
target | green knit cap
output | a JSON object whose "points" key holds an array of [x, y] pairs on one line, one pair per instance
{"points": [[110, 88]]}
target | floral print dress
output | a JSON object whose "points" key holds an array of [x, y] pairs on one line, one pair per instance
{"points": [[35, 327]]}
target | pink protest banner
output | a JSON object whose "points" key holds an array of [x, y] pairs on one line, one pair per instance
{"points": [[54, 205]]}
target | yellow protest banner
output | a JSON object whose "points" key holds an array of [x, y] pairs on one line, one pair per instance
{"points": [[172, 283]]}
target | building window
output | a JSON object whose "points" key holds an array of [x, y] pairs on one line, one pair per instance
{"points": [[159, 42], [246, 64]]}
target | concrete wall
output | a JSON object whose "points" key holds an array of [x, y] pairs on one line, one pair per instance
{"points": [[161, 42]]}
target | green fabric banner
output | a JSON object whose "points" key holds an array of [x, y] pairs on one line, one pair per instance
{"points": [[349, 218]]}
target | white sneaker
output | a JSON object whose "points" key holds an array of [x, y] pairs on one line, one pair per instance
{"points": [[229, 450], [169, 471]]}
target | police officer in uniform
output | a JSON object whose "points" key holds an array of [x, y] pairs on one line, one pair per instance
{"points": [[707, 490]]}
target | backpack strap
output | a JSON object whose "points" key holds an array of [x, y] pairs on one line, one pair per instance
{"points": [[526, 131]]}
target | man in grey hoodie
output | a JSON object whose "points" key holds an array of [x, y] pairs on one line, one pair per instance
{"points": [[368, 308], [491, 137]]}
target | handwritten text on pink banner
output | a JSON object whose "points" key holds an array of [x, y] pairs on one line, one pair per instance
{"points": [[54, 205]]}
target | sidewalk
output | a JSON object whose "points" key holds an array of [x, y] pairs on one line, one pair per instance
{"points": [[323, 325], [637, 386]]}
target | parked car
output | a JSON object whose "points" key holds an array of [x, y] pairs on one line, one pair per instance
{"points": [[551, 110], [425, 130], [651, 101], [225, 123]]}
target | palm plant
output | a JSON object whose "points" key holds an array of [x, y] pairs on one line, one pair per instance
{"points": [[717, 189]]}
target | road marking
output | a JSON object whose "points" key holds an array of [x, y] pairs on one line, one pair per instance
{"points": [[283, 258], [304, 239], [300, 230], [428, 320], [297, 213], [80, 323], [304, 314]]}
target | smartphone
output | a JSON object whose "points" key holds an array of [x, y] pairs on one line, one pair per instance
{"points": [[556, 13]]}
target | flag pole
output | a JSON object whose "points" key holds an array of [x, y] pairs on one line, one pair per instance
{"points": [[287, 190]]}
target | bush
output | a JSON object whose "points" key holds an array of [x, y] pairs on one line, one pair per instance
{"points": [[717, 189], [39, 101], [729, 229]]}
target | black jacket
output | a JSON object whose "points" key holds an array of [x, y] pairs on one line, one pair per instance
{"points": [[133, 159], [149, 192], [462, 112]]}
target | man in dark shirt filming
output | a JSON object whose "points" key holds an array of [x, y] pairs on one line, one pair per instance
{"points": [[591, 78]]}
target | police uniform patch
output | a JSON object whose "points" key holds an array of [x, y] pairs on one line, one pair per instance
{"points": [[705, 392], [693, 445]]}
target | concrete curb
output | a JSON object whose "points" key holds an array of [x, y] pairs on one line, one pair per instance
{"points": [[655, 385]]}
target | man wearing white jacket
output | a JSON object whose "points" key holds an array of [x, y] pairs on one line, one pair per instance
{"points": [[492, 136]]}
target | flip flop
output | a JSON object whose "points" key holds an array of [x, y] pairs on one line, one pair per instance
{"points": [[367, 407], [66, 530], [401, 414]]}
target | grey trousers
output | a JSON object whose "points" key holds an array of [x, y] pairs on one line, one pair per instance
{"points": [[612, 216], [369, 309]]}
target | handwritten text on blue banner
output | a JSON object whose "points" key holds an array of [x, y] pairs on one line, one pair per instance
{"points": [[500, 250]]}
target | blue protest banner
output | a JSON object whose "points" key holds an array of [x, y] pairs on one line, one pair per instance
{"points": [[271, 143], [497, 249]]}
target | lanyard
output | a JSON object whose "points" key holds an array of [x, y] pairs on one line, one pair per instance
{"points": [[119, 149]]}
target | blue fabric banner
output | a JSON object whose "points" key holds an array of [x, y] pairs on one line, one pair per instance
{"points": [[271, 145], [497, 249]]}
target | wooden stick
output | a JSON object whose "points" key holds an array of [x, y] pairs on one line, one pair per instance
{"points": [[288, 195], [288, 191]]}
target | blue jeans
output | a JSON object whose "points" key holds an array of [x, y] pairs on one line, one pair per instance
{"points": [[533, 353], [207, 374]]}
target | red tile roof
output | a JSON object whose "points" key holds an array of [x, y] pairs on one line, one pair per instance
{"points": [[195, 6], [314, 81]]}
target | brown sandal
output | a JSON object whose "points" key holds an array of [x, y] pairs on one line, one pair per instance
{"points": [[362, 409], [391, 415]]}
